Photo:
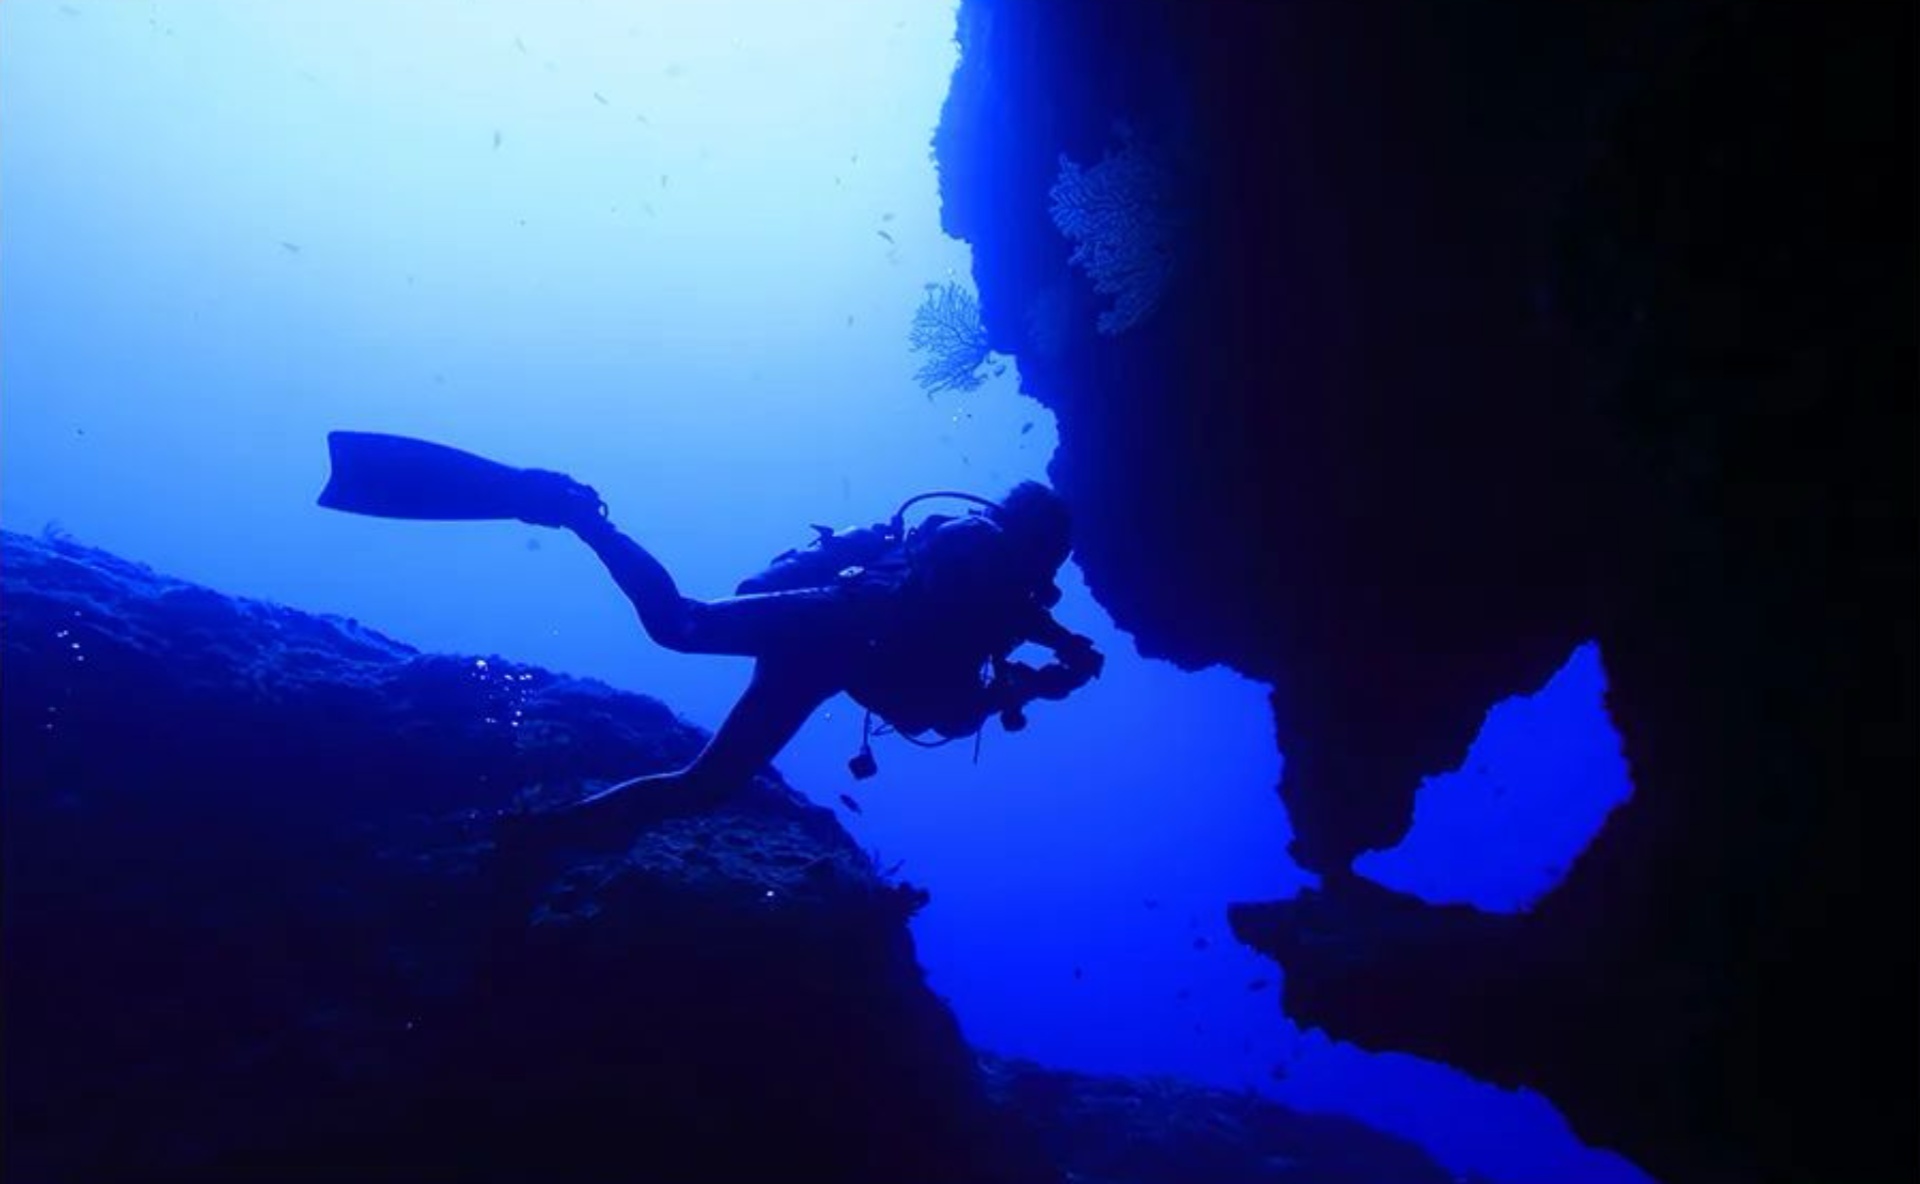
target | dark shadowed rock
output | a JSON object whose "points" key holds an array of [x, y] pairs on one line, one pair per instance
{"points": [[1106, 1130], [255, 929], [1493, 327]]}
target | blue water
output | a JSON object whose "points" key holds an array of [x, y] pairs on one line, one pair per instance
{"points": [[640, 243]]}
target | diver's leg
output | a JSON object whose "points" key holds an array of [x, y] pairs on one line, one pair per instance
{"points": [[664, 612], [743, 626], [781, 696], [783, 693]]}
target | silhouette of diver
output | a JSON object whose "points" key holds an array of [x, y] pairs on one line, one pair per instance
{"points": [[907, 622]]}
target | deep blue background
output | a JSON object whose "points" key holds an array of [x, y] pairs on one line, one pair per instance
{"points": [[642, 244]]}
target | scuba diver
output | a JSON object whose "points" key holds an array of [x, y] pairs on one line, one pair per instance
{"points": [[917, 624]]}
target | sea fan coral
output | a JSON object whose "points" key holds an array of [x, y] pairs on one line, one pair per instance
{"points": [[948, 329], [1126, 226]]}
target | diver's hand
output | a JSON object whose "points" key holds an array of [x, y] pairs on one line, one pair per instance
{"points": [[1078, 656], [555, 499], [1022, 684]]}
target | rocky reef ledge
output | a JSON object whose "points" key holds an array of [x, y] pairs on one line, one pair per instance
{"points": [[254, 928]]}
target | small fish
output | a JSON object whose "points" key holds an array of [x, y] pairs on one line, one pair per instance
{"points": [[999, 370], [79, 431], [520, 45], [1149, 902], [1278, 1072], [1201, 943], [643, 119], [884, 234], [496, 137], [849, 320], [1078, 974], [1183, 994], [675, 70], [855, 159], [289, 248], [1258, 984], [533, 544], [887, 217], [648, 207], [663, 180], [599, 98], [836, 180], [1026, 427], [70, 10], [846, 799]]}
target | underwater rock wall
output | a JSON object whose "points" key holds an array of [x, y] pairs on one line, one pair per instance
{"points": [[1104, 1130], [1476, 331], [253, 928]]}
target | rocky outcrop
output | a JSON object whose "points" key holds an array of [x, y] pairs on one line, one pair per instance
{"points": [[1103, 1130], [1492, 327], [255, 927]]}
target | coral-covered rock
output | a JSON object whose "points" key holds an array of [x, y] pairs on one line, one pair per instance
{"points": [[255, 927], [1108, 1130]]}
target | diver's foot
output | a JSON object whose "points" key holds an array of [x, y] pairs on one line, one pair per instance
{"points": [[601, 822]]}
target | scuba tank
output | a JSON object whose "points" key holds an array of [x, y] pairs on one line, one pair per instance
{"points": [[884, 548], [834, 555]]}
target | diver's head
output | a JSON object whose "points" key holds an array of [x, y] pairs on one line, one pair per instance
{"points": [[1036, 520]]}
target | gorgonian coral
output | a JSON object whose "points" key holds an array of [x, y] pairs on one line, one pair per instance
{"points": [[947, 328], [1126, 225]]}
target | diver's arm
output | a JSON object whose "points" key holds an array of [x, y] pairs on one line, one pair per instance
{"points": [[1073, 653], [1015, 684]]}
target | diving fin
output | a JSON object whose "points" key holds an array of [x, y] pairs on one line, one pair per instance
{"points": [[400, 477]]}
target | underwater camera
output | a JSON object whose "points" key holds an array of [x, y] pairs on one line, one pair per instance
{"points": [[863, 766]]}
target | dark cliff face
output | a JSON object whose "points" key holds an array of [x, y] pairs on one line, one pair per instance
{"points": [[1493, 327], [1334, 458]]}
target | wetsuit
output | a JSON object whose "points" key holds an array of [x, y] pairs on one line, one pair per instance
{"points": [[912, 654]]}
